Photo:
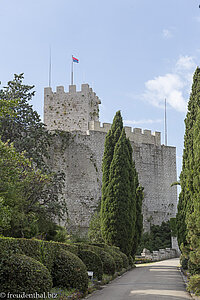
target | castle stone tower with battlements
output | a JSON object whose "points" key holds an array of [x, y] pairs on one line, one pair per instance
{"points": [[79, 156], [70, 111]]}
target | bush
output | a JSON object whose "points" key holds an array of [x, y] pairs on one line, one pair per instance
{"points": [[118, 260], [109, 266], [69, 271], [42, 251], [20, 273], [131, 261], [184, 262], [194, 284], [124, 259], [20, 246], [92, 262], [122, 255]]}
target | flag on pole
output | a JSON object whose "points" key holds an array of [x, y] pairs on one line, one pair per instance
{"points": [[75, 59]]}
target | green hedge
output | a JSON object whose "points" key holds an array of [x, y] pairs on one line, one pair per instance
{"points": [[69, 271], [109, 266], [42, 251], [92, 262], [122, 261], [20, 273]]}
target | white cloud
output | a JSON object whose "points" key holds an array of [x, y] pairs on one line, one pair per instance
{"points": [[171, 86], [185, 63], [167, 34], [143, 121]]}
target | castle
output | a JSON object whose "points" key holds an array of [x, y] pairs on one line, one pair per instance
{"points": [[79, 150]]}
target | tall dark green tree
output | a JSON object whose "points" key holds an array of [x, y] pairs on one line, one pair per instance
{"points": [[136, 199], [111, 139], [185, 205], [119, 191], [118, 222], [193, 221]]}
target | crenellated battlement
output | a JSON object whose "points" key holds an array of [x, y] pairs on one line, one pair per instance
{"points": [[72, 110], [136, 135]]}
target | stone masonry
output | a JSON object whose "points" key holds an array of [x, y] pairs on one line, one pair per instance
{"points": [[78, 152]]}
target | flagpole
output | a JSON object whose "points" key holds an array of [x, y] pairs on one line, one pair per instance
{"points": [[72, 75], [50, 67], [165, 122]]}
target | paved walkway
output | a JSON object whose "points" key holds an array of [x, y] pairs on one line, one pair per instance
{"points": [[157, 281]]}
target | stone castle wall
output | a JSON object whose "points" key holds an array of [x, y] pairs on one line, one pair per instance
{"points": [[79, 156]]}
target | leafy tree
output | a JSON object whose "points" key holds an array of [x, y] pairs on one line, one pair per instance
{"points": [[22, 126], [18, 179]]}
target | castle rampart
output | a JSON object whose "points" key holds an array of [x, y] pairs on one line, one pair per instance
{"points": [[134, 134]]}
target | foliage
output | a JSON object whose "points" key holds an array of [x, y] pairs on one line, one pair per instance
{"points": [[69, 271], [22, 130], [92, 262], [20, 273], [94, 232], [194, 284], [19, 182], [173, 227], [130, 261], [159, 237], [109, 266]]}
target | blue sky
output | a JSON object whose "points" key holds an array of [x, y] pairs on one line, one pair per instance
{"points": [[133, 53]]}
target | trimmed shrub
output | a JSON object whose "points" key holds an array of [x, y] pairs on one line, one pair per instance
{"points": [[69, 271], [125, 259], [92, 262], [123, 256], [20, 273], [43, 251], [109, 266], [20, 246], [118, 260]]}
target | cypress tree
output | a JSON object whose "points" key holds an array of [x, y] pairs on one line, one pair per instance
{"points": [[136, 201], [185, 205], [110, 141], [193, 221], [118, 223]]}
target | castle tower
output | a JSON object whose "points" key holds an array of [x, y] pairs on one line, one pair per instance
{"points": [[71, 111]]}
